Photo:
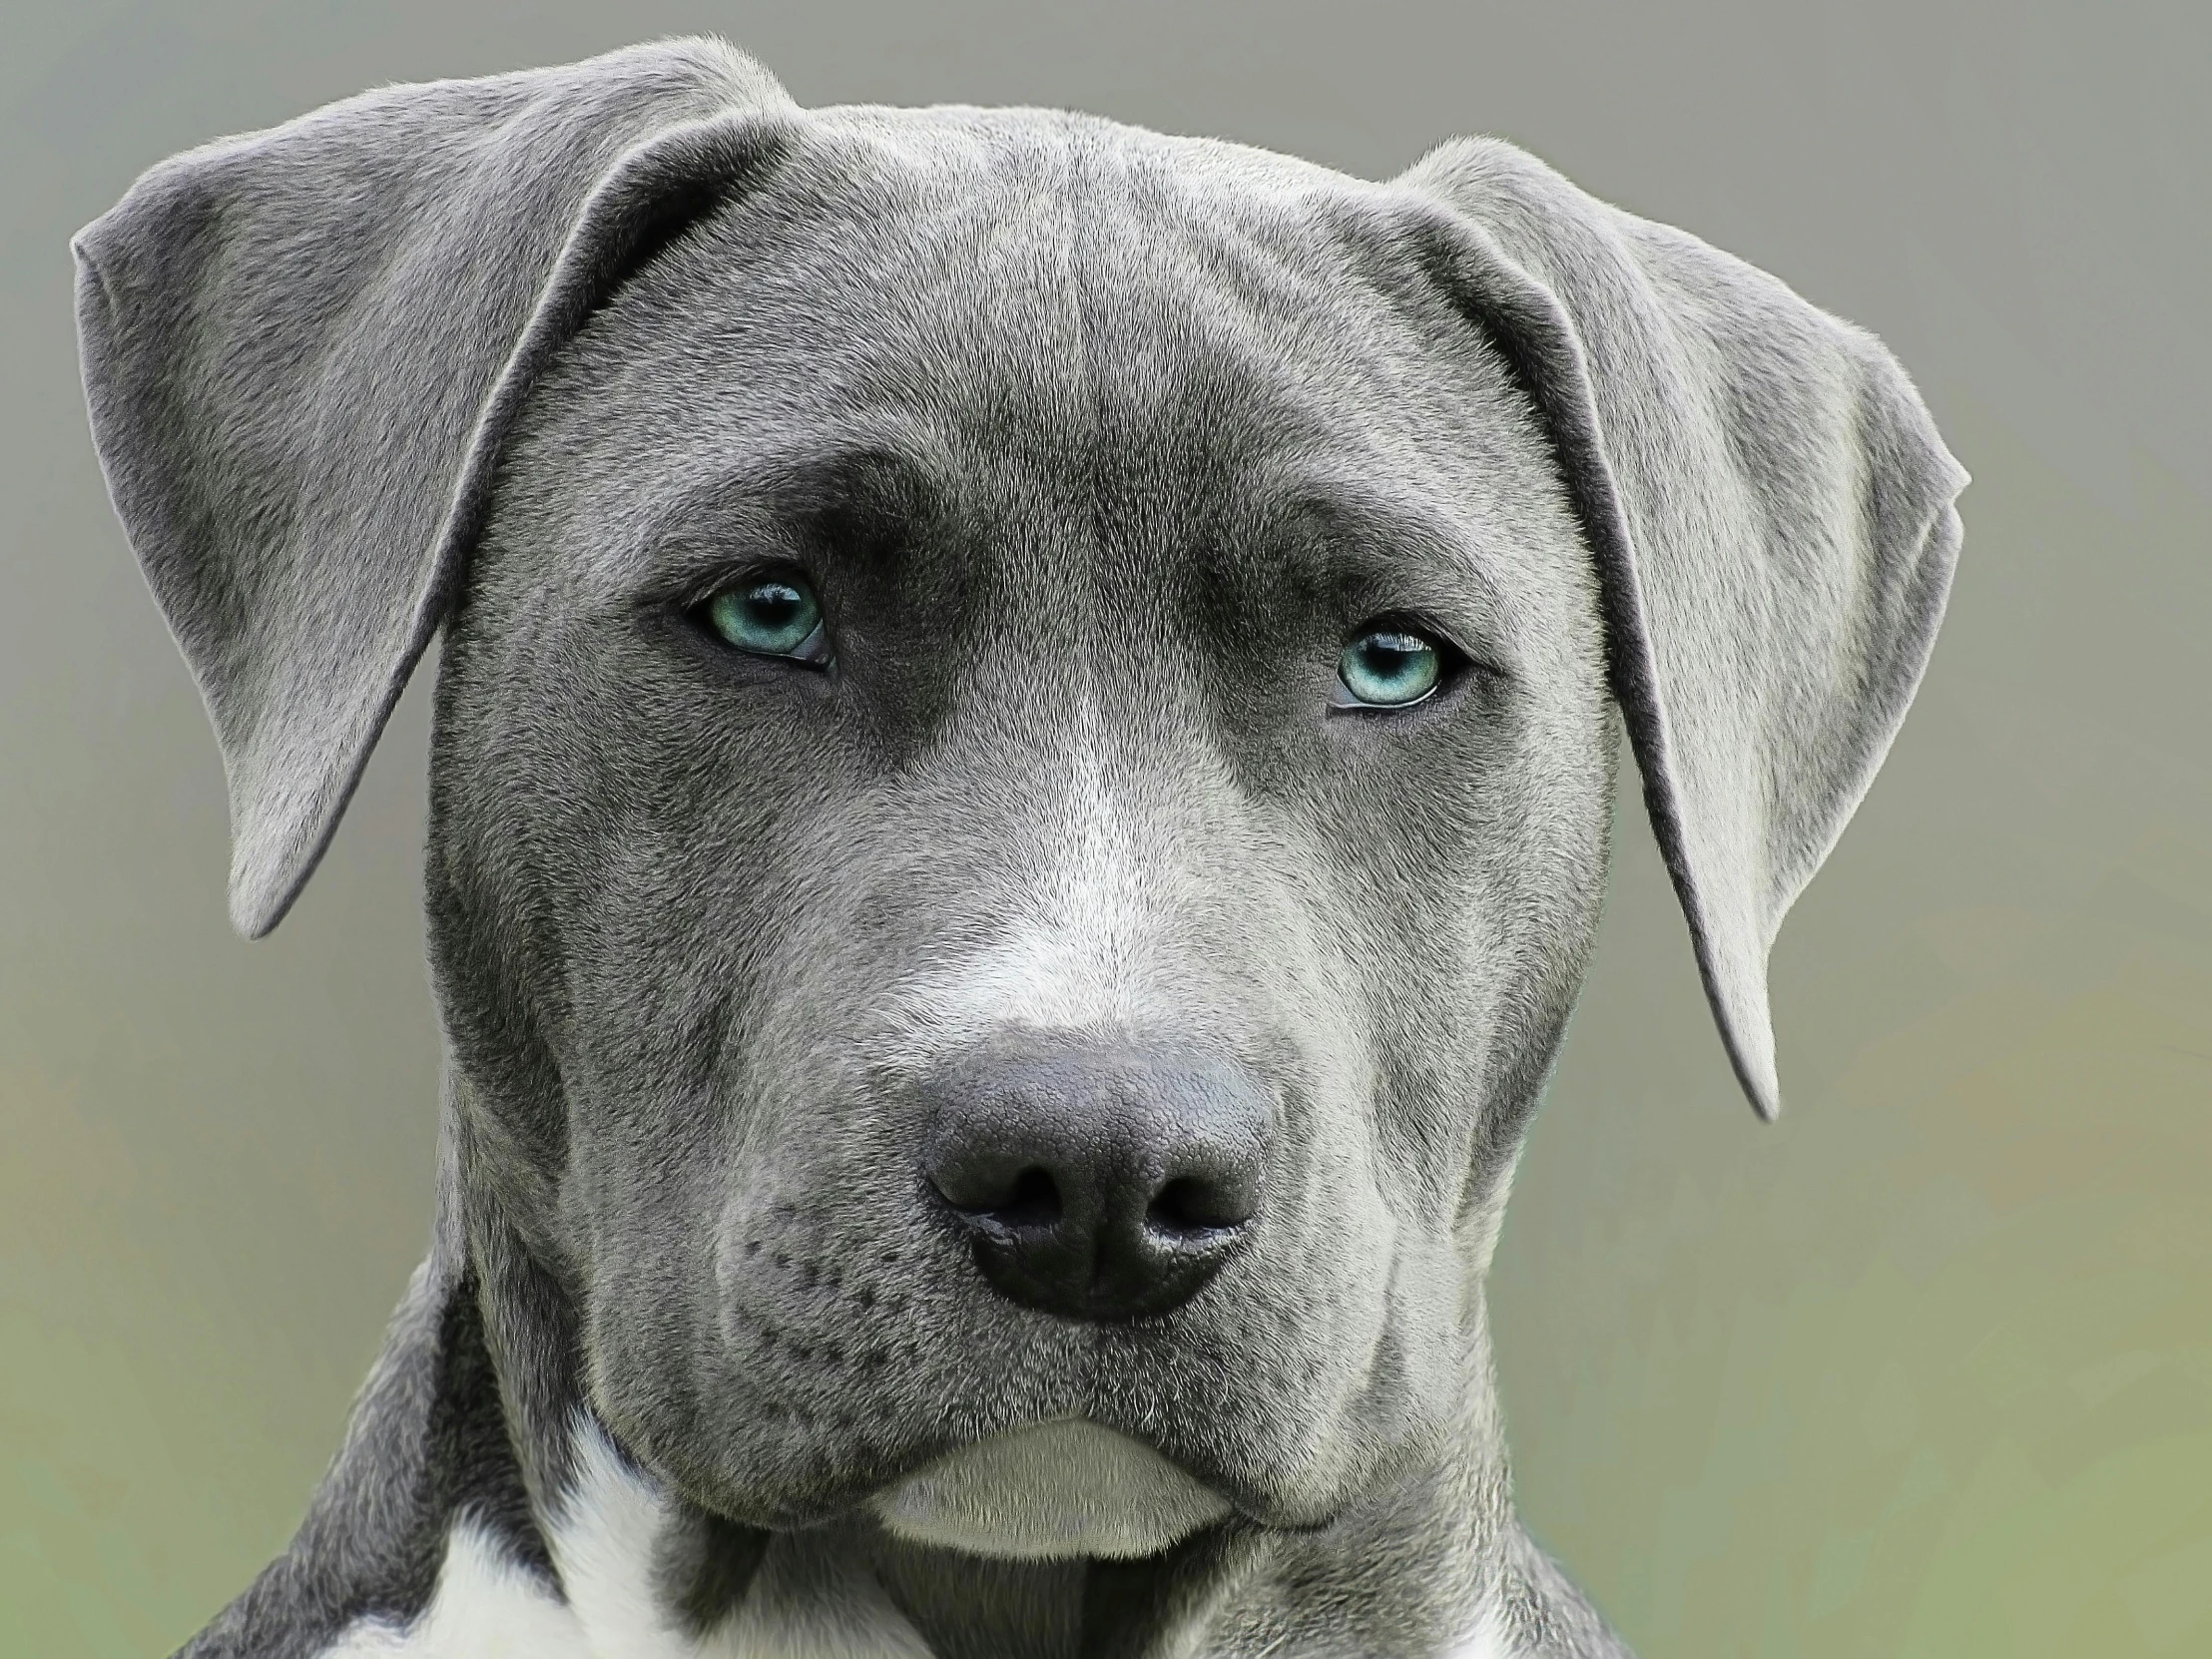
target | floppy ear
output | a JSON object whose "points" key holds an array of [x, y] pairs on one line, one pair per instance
{"points": [[302, 348], [1770, 510]]}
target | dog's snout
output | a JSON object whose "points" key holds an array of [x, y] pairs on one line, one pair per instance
{"points": [[1094, 1181]]}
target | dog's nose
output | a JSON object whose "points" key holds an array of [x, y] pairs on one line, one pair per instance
{"points": [[1097, 1181]]}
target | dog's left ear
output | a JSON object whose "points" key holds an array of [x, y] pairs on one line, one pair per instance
{"points": [[303, 347], [1770, 510]]}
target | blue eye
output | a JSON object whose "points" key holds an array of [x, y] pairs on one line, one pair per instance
{"points": [[1389, 668], [778, 616]]}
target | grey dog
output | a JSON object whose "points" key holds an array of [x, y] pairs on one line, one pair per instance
{"points": [[1020, 791]]}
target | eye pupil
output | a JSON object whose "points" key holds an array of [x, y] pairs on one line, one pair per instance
{"points": [[772, 618], [772, 606], [1390, 668]]}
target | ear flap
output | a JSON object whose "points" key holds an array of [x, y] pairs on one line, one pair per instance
{"points": [[302, 348], [1770, 510]]}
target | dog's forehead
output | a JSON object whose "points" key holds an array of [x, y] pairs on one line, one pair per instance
{"points": [[1029, 306]]}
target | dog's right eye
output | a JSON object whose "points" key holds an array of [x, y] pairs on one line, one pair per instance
{"points": [[773, 616]]}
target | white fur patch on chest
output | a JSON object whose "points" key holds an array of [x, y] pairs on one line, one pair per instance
{"points": [[1487, 1640], [489, 1606], [486, 1607]]}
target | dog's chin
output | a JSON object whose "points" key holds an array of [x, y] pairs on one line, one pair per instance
{"points": [[1050, 1491]]}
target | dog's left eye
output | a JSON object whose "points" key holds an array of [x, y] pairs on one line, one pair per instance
{"points": [[1389, 668], [776, 616]]}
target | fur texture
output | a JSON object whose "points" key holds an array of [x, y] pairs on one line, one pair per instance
{"points": [[1097, 446]]}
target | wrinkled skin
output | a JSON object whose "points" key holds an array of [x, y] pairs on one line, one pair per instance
{"points": [[702, 919]]}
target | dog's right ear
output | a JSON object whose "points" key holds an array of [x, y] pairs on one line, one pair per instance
{"points": [[303, 348]]}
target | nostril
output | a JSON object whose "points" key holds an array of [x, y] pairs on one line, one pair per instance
{"points": [[1189, 1206], [1004, 1193], [1033, 1201]]}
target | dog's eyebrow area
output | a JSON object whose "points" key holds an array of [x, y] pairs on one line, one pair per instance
{"points": [[864, 495], [1362, 550]]}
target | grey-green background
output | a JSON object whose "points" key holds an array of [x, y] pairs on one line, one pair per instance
{"points": [[1925, 1370]]}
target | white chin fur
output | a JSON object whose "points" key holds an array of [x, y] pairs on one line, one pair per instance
{"points": [[1046, 1493]]}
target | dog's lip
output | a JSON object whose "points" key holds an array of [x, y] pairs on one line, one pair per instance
{"points": [[1248, 1502], [922, 1452], [1049, 1491]]}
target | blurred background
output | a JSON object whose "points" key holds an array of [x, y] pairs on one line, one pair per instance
{"points": [[1925, 1369]]}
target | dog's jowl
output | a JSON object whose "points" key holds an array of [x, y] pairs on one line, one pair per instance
{"points": [[1024, 739]]}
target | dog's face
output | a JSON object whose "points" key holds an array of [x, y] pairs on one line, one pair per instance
{"points": [[1094, 479], [1024, 748]]}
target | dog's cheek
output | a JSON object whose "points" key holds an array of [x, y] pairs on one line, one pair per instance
{"points": [[493, 910], [1462, 890], [738, 1167], [610, 897]]}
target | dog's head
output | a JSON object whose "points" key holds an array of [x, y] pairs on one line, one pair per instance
{"points": [[1025, 733]]}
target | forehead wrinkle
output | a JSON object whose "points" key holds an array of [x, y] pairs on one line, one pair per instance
{"points": [[985, 294], [1239, 329], [985, 288], [1086, 318], [1299, 365], [1079, 248]]}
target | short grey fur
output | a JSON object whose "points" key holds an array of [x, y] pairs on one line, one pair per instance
{"points": [[1096, 444]]}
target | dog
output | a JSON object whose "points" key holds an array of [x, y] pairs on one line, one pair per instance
{"points": [[1020, 789]]}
